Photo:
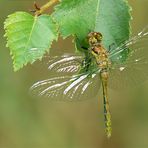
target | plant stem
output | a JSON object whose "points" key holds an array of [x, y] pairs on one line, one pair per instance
{"points": [[45, 7]]}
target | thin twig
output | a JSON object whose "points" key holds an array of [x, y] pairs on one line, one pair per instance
{"points": [[45, 7]]}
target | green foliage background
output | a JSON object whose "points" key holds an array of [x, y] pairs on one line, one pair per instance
{"points": [[27, 122], [29, 37]]}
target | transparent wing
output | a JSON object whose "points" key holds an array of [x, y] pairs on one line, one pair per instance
{"points": [[68, 88], [82, 86], [71, 63], [133, 70], [119, 54], [67, 63]]}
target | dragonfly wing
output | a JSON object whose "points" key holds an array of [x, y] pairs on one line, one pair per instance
{"points": [[67, 63], [63, 64], [68, 88], [133, 70], [127, 77], [119, 55]]}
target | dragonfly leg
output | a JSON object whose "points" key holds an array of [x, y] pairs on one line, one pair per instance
{"points": [[111, 47], [84, 47]]}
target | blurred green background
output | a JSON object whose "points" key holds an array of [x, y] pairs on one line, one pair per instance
{"points": [[26, 122]]}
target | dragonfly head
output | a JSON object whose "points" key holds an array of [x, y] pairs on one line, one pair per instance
{"points": [[94, 38]]}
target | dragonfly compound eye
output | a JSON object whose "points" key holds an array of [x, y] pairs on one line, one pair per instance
{"points": [[98, 35], [94, 38]]}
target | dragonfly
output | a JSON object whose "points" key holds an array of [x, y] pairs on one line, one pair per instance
{"points": [[115, 67]]}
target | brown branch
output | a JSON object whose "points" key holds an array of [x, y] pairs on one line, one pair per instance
{"points": [[42, 9]]}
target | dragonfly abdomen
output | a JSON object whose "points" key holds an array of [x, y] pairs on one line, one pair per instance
{"points": [[107, 115]]}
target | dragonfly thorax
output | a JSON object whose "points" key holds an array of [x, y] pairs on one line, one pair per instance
{"points": [[97, 50], [101, 56]]}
